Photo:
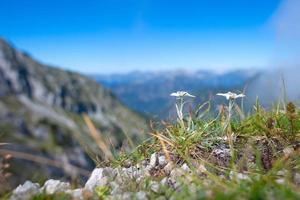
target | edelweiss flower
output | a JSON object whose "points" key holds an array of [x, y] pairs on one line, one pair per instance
{"points": [[180, 94], [179, 105], [230, 95]]}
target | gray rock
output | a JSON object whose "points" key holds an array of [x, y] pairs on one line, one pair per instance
{"points": [[25, 191], [141, 195], [239, 176], [177, 172], [199, 167], [164, 181], [127, 163], [173, 183], [144, 163], [297, 178], [76, 194], [132, 173], [162, 160], [115, 188], [153, 160], [154, 186], [54, 186], [168, 168], [185, 167], [109, 172], [221, 152], [126, 196], [97, 178], [100, 177], [280, 181]]}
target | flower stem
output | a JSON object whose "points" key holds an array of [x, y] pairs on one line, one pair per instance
{"points": [[179, 107], [229, 130]]}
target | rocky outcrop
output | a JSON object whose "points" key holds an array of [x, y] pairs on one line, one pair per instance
{"points": [[152, 178], [114, 183], [26, 191]]}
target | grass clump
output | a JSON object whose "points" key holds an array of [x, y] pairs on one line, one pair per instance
{"points": [[231, 155], [58, 196]]}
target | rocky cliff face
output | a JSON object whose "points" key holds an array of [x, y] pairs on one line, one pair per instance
{"points": [[40, 113]]}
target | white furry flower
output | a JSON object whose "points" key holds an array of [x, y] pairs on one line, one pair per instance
{"points": [[230, 95], [179, 104], [181, 94]]}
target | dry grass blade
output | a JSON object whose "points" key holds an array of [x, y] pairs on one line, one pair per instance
{"points": [[163, 145], [42, 160], [239, 111], [129, 139], [162, 138], [97, 138]]}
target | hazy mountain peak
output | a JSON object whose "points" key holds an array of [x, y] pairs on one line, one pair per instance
{"points": [[148, 92]]}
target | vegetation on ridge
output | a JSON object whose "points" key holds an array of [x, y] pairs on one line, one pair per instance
{"points": [[254, 156]]}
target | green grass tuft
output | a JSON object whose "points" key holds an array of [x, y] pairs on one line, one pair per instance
{"points": [[265, 152]]}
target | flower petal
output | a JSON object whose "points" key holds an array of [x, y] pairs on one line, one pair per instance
{"points": [[240, 96], [181, 94]]}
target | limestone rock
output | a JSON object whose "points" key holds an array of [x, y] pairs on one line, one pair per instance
{"points": [[141, 195], [54, 186], [76, 194], [25, 191], [153, 160], [96, 179]]}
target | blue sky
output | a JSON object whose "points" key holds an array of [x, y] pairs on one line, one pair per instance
{"points": [[104, 36]]}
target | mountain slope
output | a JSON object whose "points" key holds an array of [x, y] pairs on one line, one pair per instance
{"points": [[41, 107]]}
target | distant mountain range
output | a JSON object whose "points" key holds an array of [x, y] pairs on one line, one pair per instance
{"points": [[149, 92], [41, 111]]}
